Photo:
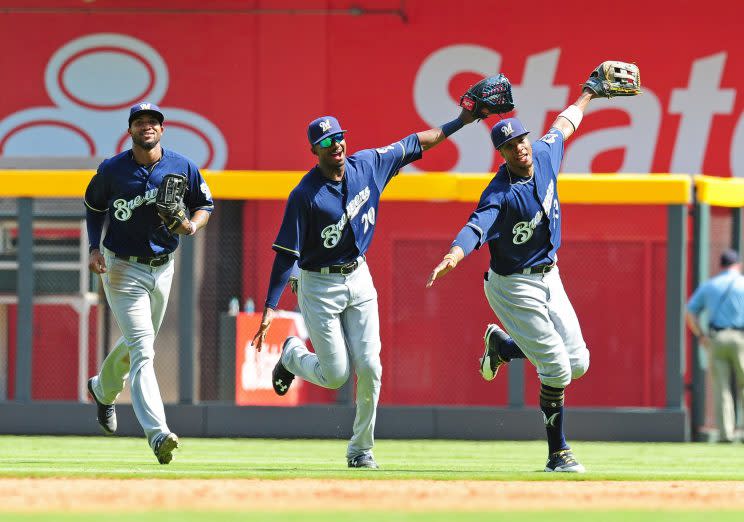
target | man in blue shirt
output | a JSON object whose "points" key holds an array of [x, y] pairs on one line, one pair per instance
{"points": [[136, 266], [721, 300], [327, 228]]}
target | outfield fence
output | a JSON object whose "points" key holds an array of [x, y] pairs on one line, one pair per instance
{"points": [[627, 239]]}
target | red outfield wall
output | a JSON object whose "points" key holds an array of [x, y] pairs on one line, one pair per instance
{"points": [[239, 87]]}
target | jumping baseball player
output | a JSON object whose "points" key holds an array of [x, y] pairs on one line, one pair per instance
{"points": [[519, 216], [328, 226], [136, 265]]}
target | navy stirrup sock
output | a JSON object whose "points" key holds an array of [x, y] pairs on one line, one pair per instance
{"points": [[551, 404]]}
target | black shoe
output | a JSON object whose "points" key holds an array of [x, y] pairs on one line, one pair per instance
{"points": [[281, 378], [164, 447], [491, 360], [564, 461], [365, 460], [106, 413]]}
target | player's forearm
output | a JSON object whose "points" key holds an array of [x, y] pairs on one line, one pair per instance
{"points": [[94, 224], [430, 138], [568, 121], [284, 265], [200, 218]]}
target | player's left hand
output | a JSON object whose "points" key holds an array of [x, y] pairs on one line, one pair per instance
{"points": [[263, 328]]}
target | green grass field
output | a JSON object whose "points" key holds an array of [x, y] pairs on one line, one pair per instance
{"points": [[491, 462]]}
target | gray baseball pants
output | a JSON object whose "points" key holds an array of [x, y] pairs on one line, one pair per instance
{"points": [[343, 321], [137, 295], [535, 310]]}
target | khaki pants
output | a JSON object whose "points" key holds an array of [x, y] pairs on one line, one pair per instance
{"points": [[727, 356]]}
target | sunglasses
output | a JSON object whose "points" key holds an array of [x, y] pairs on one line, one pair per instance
{"points": [[327, 142]]}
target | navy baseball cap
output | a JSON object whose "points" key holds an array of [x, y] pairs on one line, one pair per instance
{"points": [[729, 257], [507, 130], [321, 128], [139, 108]]}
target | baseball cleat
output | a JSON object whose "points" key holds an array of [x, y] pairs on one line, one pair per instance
{"points": [[563, 461], [164, 447], [106, 414], [281, 378], [366, 460], [491, 360]]}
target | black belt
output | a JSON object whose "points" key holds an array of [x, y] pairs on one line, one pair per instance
{"points": [[537, 269], [718, 329], [345, 269], [151, 261]]}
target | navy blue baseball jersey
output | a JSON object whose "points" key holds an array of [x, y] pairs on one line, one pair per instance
{"points": [[521, 219], [332, 222], [126, 191]]}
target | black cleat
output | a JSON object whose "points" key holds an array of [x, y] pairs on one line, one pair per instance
{"points": [[366, 460], [164, 447], [564, 461], [491, 360], [281, 378], [106, 413]]}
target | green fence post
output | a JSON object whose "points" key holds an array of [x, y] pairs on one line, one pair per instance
{"points": [[700, 271]]}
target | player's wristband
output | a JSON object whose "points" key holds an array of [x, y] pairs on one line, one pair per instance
{"points": [[574, 115], [451, 127]]}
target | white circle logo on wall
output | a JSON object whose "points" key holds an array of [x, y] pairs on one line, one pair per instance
{"points": [[92, 81]]}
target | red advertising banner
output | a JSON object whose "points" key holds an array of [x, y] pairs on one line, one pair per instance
{"points": [[253, 369], [239, 81]]}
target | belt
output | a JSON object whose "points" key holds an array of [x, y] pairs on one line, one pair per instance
{"points": [[537, 269], [151, 261], [718, 328], [345, 269]]}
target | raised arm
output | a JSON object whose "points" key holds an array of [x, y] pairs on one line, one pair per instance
{"points": [[432, 137], [491, 95], [568, 121], [609, 79]]}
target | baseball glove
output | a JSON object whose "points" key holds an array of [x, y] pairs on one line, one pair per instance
{"points": [[493, 93], [169, 201], [615, 79]]}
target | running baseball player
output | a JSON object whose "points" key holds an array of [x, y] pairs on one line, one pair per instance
{"points": [[136, 265], [519, 216], [327, 228]]}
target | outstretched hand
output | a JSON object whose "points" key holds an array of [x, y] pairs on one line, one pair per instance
{"points": [[444, 267], [263, 329]]}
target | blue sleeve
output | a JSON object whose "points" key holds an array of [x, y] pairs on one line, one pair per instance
{"points": [[292, 229], [284, 266], [96, 198], [94, 223], [95, 210], [467, 239], [697, 302], [483, 219], [552, 145], [198, 197], [390, 159]]}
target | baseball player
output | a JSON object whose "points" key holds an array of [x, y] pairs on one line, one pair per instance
{"points": [[327, 228], [136, 266], [519, 216]]}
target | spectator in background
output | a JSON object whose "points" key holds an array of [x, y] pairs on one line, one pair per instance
{"points": [[721, 301]]}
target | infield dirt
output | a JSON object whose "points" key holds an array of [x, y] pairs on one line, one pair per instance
{"points": [[133, 495]]}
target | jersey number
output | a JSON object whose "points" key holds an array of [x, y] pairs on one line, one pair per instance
{"points": [[549, 138], [368, 219]]}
